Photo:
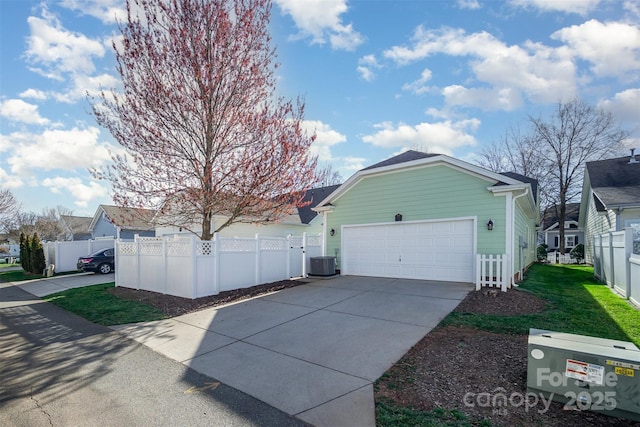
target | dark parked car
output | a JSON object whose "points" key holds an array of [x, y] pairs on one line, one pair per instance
{"points": [[101, 261]]}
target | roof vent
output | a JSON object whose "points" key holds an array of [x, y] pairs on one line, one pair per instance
{"points": [[633, 157]]}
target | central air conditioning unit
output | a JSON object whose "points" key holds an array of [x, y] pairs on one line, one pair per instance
{"points": [[323, 266], [585, 373]]}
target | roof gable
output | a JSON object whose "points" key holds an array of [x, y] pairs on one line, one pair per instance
{"points": [[127, 218], [414, 159], [76, 224], [615, 182]]}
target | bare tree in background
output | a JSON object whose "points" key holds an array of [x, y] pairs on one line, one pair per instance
{"points": [[9, 208], [555, 151], [204, 131]]}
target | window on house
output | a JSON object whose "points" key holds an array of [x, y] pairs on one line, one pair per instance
{"points": [[556, 241], [570, 241]]}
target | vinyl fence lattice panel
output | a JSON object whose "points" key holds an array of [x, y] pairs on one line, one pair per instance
{"points": [[237, 245]]}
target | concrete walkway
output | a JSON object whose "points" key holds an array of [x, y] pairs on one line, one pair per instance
{"points": [[312, 351]]}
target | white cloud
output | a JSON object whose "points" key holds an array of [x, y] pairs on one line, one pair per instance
{"points": [[580, 7], [469, 4], [541, 73], [613, 48], [83, 84], [419, 86], [625, 107], [82, 193], [106, 11], [366, 66], [33, 94], [59, 50], [55, 149], [487, 99], [320, 20], [19, 111], [10, 180], [442, 137], [351, 163], [325, 138]]}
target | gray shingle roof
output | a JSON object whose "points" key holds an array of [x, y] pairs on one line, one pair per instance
{"points": [[407, 156], [130, 218], [77, 224], [551, 215], [615, 182], [315, 195], [525, 179]]}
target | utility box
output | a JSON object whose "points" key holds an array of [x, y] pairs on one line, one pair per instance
{"points": [[323, 266], [585, 373]]}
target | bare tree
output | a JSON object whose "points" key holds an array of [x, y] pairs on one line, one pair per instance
{"points": [[45, 224], [199, 119], [9, 208], [329, 176], [519, 152], [575, 134], [555, 150]]}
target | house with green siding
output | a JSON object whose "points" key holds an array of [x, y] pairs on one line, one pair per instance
{"points": [[428, 216]]}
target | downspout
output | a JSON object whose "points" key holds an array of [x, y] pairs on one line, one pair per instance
{"points": [[513, 230], [324, 233]]}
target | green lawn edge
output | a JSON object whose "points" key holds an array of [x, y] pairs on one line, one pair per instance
{"points": [[574, 299], [97, 305]]}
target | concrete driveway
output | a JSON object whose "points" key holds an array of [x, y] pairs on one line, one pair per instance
{"points": [[312, 351]]}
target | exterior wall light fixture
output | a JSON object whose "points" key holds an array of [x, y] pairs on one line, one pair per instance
{"points": [[332, 232], [398, 217], [490, 225]]}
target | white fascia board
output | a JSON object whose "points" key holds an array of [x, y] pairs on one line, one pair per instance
{"points": [[320, 209], [96, 217], [429, 161], [517, 187]]}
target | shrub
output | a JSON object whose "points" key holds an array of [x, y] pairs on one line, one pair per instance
{"points": [[541, 252], [25, 252], [577, 252], [38, 263]]}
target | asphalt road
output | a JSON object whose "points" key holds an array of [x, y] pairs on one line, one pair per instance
{"points": [[57, 369]]}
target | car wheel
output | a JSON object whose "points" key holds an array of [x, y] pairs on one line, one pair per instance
{"points": [[104, 268]]}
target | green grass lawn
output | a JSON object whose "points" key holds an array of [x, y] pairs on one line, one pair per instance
{"points": [[94, 303], [17, 276], [576, 303]]}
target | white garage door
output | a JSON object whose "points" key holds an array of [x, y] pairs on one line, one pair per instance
{"points": [[440, 250]]}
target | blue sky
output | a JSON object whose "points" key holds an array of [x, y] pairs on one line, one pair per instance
{"points": [[378, 76]]}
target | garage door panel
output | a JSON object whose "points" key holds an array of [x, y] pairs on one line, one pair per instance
{"points": [[440, 250]]}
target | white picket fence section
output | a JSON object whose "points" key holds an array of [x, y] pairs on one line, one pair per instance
{"points": [[559, 258], [492, 271], [192, 268], [64, 255], [616, 264]]}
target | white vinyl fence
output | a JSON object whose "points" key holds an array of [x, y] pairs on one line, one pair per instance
{"points": [[492, 271], [64, 255], [560, 258], [616, 264], [192, 268]]}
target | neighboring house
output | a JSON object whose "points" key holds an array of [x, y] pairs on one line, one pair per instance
{"points": [[427, 216], [573, 233], [122, 223], [74, 227], [610, 199], [303, 220]]}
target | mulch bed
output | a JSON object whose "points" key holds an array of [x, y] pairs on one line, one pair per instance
{"points": [[173, 306], [450, 362]]}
